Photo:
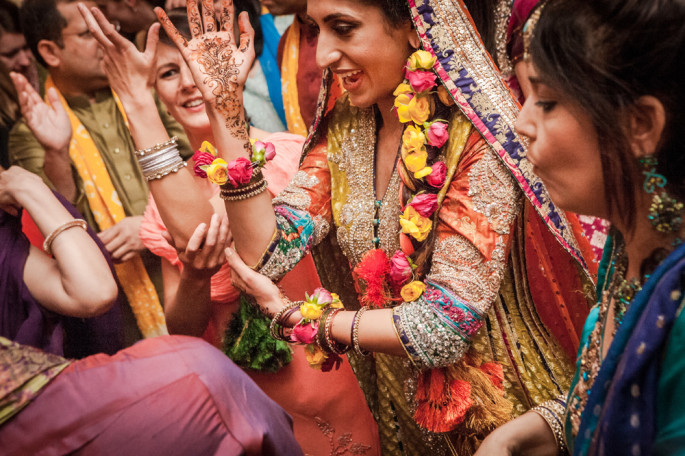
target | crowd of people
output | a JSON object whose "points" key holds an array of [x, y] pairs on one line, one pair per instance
{"points": [[364, 227]]}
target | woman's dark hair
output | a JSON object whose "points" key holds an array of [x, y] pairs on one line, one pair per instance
{"points": [[179, 18], [9, 17], [604, 55]]}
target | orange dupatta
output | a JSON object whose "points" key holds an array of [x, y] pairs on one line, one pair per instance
{"points": [[107, 210]]}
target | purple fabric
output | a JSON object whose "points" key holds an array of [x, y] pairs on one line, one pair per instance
{"points": [[170, 395], [24, 320]]}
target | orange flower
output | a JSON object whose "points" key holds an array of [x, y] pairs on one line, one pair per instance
{"points": [[415, 225], [315, 356], [419, 109]]}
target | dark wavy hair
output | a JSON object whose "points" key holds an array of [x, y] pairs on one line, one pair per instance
{"points": [[605, 54], [41, 20]]}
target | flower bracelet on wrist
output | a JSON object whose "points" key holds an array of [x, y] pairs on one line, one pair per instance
{"points": [[239, 179]]}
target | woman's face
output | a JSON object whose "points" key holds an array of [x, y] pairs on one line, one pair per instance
{"points": [[563, 149], [176, 88], [357, 44]]}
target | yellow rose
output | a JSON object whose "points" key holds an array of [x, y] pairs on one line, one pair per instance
{"points": [[217, 172], [412, 291], [310, 311], [208, 148], [419, 109], [315, 356], [423, 172], [421, 60], [402, 104], [416, 161], [413, 139], [415, 225], [403, 88]]}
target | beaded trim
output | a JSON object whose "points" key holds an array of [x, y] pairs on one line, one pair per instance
{"points": [[253, 189], [275, 327], [160, 160], [552, 411]]}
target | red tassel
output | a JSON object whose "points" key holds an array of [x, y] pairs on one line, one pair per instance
{"points": [[441, 405], [373, 269], [495, 372]]}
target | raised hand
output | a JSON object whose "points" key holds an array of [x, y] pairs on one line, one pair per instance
{"points": [[219, 64], [128, 70], [49, 122]]}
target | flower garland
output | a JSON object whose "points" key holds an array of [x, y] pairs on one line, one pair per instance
{"points": [[311, 329], [237, 172], [414, 104]]}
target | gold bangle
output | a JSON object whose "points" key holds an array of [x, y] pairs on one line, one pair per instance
{"points": [[275, 324], [242, 195], [354, 336], [549, 412], [47, 244]]}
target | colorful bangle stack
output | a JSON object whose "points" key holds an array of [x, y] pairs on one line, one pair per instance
{"points": [[256, 186], [325, 338], [160, 159], [277, 322], [354, 332], [47, 244], [552, 412]]}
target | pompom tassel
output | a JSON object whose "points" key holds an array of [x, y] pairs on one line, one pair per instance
{"points": [[373, 269], [442, 404]]}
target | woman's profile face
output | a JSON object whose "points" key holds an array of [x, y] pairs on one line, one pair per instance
{"points": [[563, 148], [176, 89], [358, 44]]}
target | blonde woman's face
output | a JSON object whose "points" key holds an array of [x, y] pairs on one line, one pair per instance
{"points": [[177, 90]]}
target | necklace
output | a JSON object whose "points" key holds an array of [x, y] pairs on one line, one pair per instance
{"points": [[622, 290]]}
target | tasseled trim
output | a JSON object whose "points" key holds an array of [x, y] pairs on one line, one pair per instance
{"points": [[467, 400]]}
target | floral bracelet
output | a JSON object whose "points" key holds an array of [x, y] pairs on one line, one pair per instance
{"points": [[236, 173], [310, 325]]}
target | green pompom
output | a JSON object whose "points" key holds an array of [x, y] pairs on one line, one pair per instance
{"points": [[249, 344]]}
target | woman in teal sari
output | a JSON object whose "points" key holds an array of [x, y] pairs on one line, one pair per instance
{"points": [[604, 121]]}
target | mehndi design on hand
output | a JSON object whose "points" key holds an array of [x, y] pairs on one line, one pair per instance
{"points": [[218, 65]]}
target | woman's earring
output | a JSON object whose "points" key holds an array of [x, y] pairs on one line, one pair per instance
{"points": [[665, 212]]}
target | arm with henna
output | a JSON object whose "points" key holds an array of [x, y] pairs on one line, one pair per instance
{"points": [[129, 72], [220, 66]]}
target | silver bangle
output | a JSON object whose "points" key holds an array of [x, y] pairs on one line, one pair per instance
{"points": [[160, 160], [173, 141]]}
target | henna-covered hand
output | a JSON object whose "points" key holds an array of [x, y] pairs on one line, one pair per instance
{"points": [[219, 64]]}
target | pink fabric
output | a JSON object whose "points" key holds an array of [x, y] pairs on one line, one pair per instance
{"points": [[170, 395], [331, 419]]}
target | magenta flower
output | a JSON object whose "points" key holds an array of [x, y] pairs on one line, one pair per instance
{"points": [[321, 296], [201, 159], [437, 177], [425, 204], [400, 269], [239, 171], [420, 80], [437, 133], [305, 333], [270, 151]]}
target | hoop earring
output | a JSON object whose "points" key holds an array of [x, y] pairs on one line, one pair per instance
{"points": [[665, 212]]}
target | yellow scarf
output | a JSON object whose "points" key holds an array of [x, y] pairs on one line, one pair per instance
{"points": [[107, 209], [291, 104]]}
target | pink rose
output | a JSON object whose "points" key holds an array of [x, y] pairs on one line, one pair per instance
{"points": [[420, 80], [322, 296], [425, 204], [437, 177], [437, 134], [240, 171], [305, 333], [270, 151], [400, 269], [201, 159]]}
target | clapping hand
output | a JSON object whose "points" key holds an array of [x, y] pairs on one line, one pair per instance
{"points": [[49, 122], [128, 70]]}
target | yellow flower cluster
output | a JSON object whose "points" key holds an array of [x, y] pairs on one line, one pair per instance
{"points": [[415, 225]]}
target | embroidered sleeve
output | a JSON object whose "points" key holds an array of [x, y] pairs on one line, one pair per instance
{"points": [[303, 215], [469, 257]]}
